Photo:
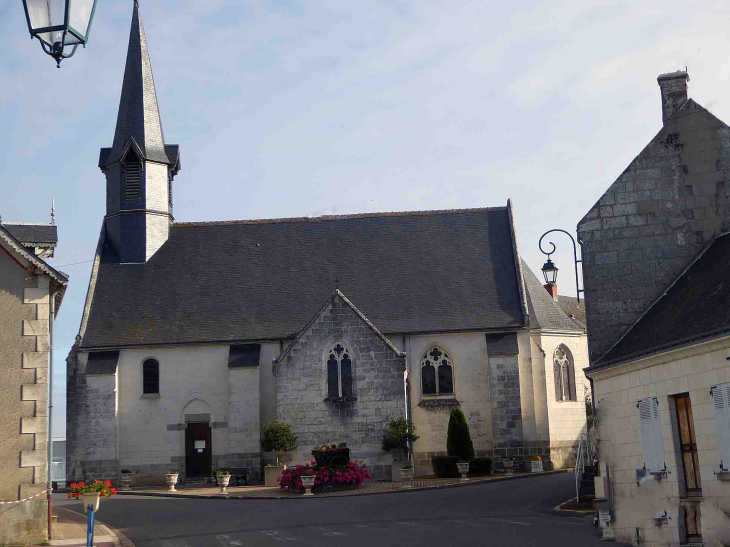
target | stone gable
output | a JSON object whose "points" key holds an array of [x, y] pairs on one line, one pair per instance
{"points": [[378, 387]]}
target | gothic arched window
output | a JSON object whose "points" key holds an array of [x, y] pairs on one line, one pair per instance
{"points": [[437, 372], [150, 376], [564, 374], [339, 373]]}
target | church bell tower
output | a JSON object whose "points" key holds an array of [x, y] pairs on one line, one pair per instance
{"points": [[139, 167]]}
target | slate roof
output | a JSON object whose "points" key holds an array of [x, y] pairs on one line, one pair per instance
{"points": [[28, 234], [696, 307], [571, 307], [436, 271], [545, 313]]}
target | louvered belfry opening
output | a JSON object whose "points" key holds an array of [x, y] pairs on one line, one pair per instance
{"points": [[132, 177]]}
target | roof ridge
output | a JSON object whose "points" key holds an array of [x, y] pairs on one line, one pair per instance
{"points": [[390, 214]]}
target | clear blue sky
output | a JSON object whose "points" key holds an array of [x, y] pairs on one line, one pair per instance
{"points": [[291, 108]]}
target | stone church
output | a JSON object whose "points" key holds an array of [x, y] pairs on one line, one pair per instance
{"points": [[195, 334]]}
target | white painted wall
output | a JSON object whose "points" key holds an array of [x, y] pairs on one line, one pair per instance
{"points": [[692, 370]]}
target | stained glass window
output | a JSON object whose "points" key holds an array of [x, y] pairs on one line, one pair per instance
{"points": [[441, 383]]}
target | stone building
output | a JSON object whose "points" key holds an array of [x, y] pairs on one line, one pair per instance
{"points": [[655, 258], [31, 292], [195, 334]]}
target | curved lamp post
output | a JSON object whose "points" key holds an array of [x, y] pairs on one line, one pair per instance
{"points": [[60, 25], [550, 270]]}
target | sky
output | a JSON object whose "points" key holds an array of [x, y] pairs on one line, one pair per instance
{"points": [[289, 108]]}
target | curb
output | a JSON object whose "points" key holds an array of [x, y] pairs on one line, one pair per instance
{"points": [[400, 491], [117, 537], [583, 512]]}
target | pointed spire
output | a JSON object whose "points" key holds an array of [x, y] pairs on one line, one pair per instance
{"points": [[139, 114]]}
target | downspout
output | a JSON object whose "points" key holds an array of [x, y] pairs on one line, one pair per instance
{"points": [[49, 484]]}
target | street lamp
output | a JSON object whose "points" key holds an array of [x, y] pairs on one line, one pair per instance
{"points": [[550, 270], [60, 24]]}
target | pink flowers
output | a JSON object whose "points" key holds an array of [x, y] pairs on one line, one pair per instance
{"points": [[353, 473]]}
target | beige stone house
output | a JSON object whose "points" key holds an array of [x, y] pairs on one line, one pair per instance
{"points": [[195, 334], [30, 295], [657, 283]]}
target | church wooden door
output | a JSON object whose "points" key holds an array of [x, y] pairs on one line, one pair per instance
{"points": [[198, 450]]}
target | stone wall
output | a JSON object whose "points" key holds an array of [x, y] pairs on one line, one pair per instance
{"points": [[378, 386], [24, 350], [654, 220], [692, 370]]}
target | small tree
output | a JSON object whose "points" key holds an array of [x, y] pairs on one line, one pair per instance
{"points": [[279, 438], [400, 432], [458, 440]]}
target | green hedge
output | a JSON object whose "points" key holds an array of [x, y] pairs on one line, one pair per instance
{"points": [[480, 466], [445, 467]]}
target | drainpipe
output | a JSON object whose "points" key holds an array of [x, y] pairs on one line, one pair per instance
{"points": [[49, 484]]}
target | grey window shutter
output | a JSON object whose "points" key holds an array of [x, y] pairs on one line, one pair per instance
{"points": [[721, 402], [651, 434]]}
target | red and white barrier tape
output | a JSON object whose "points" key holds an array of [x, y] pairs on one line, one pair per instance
{"points": [[26, 499]]}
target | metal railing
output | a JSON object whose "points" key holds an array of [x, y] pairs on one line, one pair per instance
{"points": [[585, 454]]}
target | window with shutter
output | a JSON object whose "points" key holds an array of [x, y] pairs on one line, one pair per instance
{"points": [[721, 400], [132, 172], [651, 434]]}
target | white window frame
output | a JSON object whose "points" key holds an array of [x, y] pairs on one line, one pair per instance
{"points": [[650, 427], [721, 406]]}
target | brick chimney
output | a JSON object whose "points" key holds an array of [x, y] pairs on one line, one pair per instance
{"points": [[552, 289], [674, 91]]}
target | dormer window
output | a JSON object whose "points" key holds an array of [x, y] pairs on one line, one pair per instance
{"points": [[131, 173]]}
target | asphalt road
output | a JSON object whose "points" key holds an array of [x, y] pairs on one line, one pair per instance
{"points": [[504, 514]]}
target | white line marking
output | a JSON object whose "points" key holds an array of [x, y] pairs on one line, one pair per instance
{"points": [[512, 522], [419, 525], [226, 541], [330, 533]]}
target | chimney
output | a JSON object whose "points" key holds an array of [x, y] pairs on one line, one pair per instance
{"points": [[552, 289], [674, 91]]}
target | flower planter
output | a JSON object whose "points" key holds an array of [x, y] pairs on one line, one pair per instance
{"points": [[125, 479], [272, 475], [223, 481], [536, 466], [406, 477], [509, 466], [93, 499], [171, 479], [308, 483], [337, 457], [463, 470]]}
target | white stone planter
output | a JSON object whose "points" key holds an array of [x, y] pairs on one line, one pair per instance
{"points": [[308, 482], [125, 480], [463, 470], [272, 475], [406, 477], [223, 481], [509, 466], [93, 499], [171, 479], [536, 466]]}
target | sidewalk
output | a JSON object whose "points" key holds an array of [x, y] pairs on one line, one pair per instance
{"points": [[368, 487], [70, 529]]}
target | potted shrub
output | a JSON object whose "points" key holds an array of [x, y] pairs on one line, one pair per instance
{"points": [[406, 476], [334, 455], [458, 442], [308, 477], [278, 438], [125, 478], [397, 438], [91, 493], [224, 477], [171, 479]]}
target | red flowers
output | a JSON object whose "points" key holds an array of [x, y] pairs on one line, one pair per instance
{"points": [[353, 473], [104, 488]]}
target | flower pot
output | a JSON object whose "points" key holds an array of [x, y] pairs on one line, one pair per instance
{"points": [[93, 499], [125, 479], [308, 483], [509, 466], [272, 475], [406, 477], [171, 479], [463, 470], [223, 481]]}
